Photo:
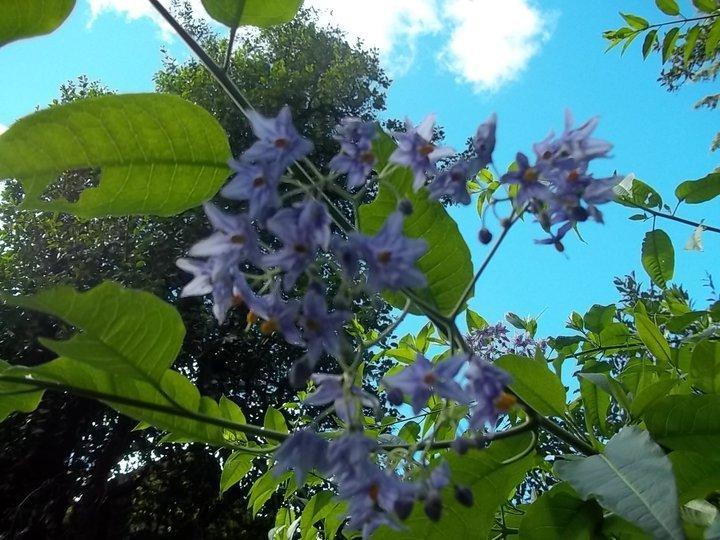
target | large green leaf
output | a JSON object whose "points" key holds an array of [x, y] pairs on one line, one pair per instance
{"points": [[447, 263], [261, 13], [658, 257], [559, 514], [156, 154], [705, 366], [491, 484], [316, 509], [26, 18], [669, 7], [690, 422], [161, 406], [16, 397], [696, 475], [632, 478], [533, 381], [125, 332]]}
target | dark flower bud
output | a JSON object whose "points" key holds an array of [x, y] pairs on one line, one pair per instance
{"points": [[433, 506], [403, 508], [464, 496], [405, 207], [395, 396], [485, 236], [559, 246], [505, 223], [579, 214]]}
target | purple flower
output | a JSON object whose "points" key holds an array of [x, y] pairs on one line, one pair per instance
{"points": [[485, 385], [415, 150], [302, 452], [320, 328], [356, 158], [279, 143], [528, 178], [452, 183], [302, 229], [347, 252], [256, 184], [421, 379], [348, 402], [373, 498], [484, 143], [278, 315], [555, 239], [391, 256], [349, 455], [235, 237], [214, 276]]}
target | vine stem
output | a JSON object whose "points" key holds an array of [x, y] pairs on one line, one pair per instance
{"points": [[672, 217], [249, 429]]}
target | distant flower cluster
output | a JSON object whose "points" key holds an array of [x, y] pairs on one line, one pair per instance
{"points": [[494, 341]]}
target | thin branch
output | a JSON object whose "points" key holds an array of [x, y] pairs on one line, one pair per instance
{"points": [[228, 52], [672, 217], [385, 333]]}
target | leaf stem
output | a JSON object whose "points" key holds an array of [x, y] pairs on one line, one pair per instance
{"points": [[672, 217]]}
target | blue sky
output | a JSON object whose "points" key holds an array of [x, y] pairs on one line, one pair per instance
{"points": [[462, 60]]}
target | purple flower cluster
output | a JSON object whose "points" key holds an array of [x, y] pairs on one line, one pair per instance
{"points": [[484, 385], [494, 341], [356, 157], [557, 188]]}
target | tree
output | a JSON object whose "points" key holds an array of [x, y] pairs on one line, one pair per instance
{"points": [[64, 475]]}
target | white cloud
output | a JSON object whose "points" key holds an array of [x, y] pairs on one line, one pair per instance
{"points": [[134, 10], [391, 26], [487, 42], [3, 129], [491, 42]]}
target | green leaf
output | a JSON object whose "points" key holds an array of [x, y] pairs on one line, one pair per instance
{"points": [[491, 483], [669, 7], [409, 432], [651, 394], [658, 257], [447, 263], [559, 514], [637, 194], [125, 332], [236, 467], [706, 6], [596, 402], [698, 191], [632, 478], [262, 13], [686, 422], [598, 317], [713, 39], [650, 39], [157, 403], [315, 510], [705, 366], [156, 153], [27, 18], [651, 336], [263, 489], [533, 381], [274, 420], [609, 385], [16, 397], [474, 320], [617, 528], [696, 475], [669, 43], [636, 22], [690, 40]]}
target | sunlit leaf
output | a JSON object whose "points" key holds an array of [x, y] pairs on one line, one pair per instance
{"points": [[27, 18], [261, 13], [156, 154], [658, 257]]}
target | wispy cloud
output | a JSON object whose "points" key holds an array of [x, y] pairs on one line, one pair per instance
{"points": [[488, 43], [391, 26]]}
